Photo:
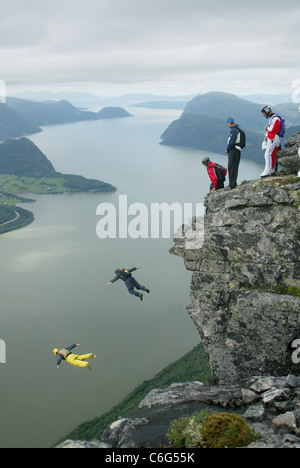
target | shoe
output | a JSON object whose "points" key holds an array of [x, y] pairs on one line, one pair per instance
{"points": [[148, 290], [265, 176], [141, 297], [89, 367], [228, 188], [94, 356]]}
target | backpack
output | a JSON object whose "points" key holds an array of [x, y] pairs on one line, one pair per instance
{"points": [[125, 274], [241, 139], [219, 171], [282, 130]]}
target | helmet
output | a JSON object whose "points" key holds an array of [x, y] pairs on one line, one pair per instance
{"points": [[266, 110], [55, 351], [117, 270], [205, 161]]}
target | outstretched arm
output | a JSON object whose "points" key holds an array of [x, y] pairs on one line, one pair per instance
{"points": [[114, 280], [133, 269], [72, 346], [59, 359]]}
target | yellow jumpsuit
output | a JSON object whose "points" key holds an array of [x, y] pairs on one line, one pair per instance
{"points": [[74, 359], [79, 361]]}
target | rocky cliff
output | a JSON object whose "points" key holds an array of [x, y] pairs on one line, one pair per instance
{"points": [[245, 290], [289, 157]]}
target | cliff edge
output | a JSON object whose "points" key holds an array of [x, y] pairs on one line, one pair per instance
{"points": [[245, 289]]}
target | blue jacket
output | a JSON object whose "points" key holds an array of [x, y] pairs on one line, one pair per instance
{"points": [[123, 275], [234, 131]]}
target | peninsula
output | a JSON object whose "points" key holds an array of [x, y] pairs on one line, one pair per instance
{"points": [[25, 169]]}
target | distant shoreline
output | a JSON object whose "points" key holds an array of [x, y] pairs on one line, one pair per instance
{"points": [[24, 218], [59, 184]]}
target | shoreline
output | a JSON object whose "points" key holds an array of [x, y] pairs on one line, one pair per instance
{"points": [[24, 218], [58, 184]]}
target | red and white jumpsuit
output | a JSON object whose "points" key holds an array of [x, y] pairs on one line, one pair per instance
{"points": [[273, 144]]}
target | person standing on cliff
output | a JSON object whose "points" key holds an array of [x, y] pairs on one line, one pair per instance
{"points": [[216, 173], [130, 282], [65, 354], [234, 149], [272, 140]]}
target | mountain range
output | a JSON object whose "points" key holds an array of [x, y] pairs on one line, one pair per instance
{"points": [[202, 123], [20, 117], [88, 99]]}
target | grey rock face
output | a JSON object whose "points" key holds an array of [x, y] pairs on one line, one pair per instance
{"points": [[82, 444], [174, 393], [240, 302], [122, 433], [289, 157], [269, 404]]}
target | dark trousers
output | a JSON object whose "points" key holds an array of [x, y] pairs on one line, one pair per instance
{"points": [[220, 185], [234, 157], [132, 283]]}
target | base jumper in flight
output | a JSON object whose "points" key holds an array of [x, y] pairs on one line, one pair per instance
{"points": [[65, 354], [130, 281]]}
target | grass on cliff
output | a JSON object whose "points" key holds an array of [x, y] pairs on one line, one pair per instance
{"points": [[192, 366]]}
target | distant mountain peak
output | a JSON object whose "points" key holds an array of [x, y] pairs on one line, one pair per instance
{"points": [[23, 157]]}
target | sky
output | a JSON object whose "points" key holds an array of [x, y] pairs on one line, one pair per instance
{"points": [[172, 47]]}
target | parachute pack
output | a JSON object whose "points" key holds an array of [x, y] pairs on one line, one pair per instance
{"points": [[241, 139], [125, 274], [282, 130], [219, 171]]}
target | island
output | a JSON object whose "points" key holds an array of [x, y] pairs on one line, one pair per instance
{"points": [[25, 169]]}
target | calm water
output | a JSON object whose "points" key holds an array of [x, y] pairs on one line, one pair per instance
{"points": [[54, 275]]}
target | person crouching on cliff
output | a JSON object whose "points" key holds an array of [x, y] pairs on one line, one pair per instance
{"points": [[65, 354], [217, 174]]}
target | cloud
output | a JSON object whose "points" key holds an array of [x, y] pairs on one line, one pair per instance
{"points": [[134, 42]]}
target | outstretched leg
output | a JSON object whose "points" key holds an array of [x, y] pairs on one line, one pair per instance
{"points": [[132, 291], [77, 361], [131, 284], [139, 286], [86, 356]]}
